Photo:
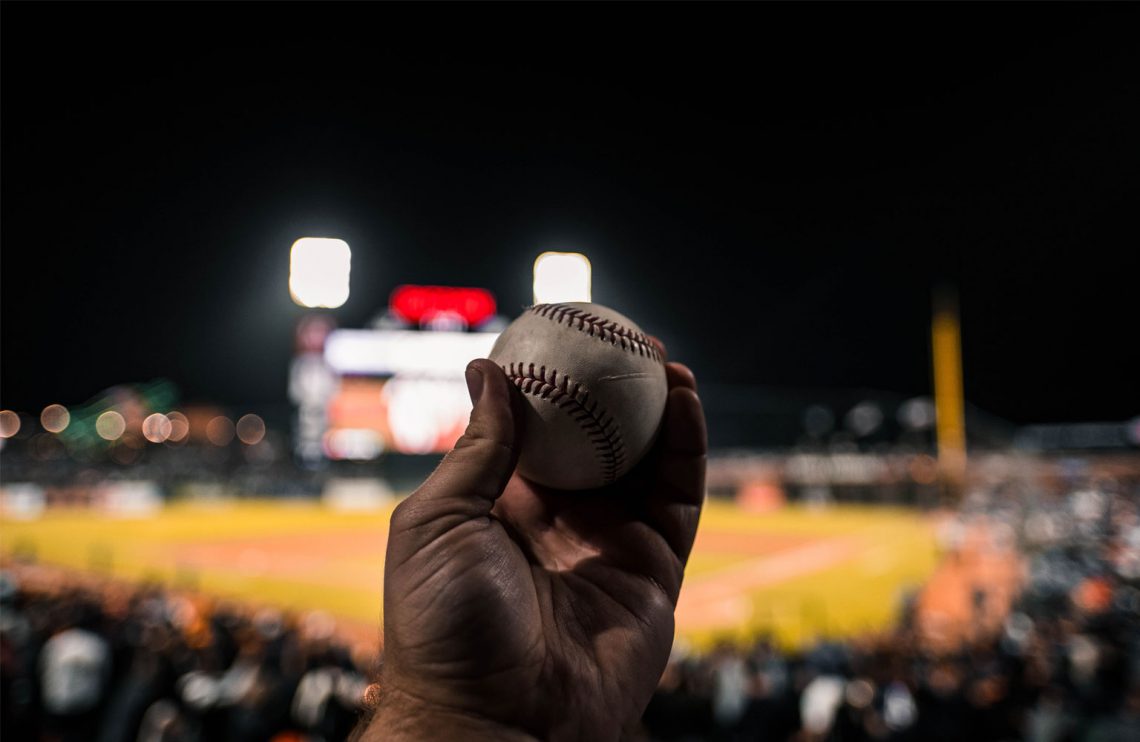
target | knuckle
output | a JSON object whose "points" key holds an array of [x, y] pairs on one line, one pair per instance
{"points": [[661, 600], [406, 514], [478, 443]]}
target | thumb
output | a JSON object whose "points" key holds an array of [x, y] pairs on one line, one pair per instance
{"points": [[472, 475]]}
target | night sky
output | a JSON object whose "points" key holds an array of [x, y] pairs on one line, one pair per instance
{"points": [[773, 190]]}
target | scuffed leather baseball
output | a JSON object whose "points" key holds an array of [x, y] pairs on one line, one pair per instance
{"points": [[595, 387]]}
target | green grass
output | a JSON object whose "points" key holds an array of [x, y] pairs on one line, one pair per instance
{"points": [[304, 556]]}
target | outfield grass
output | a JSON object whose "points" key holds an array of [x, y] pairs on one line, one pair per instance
{"points": [[161, 549], [304, 556], [890, 551]]}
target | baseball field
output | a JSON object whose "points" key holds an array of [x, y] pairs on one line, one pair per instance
{"points": [[795, 573]]}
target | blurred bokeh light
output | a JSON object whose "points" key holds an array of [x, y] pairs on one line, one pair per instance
{"points": [[179, 427], [220, 430], [55, 418], [156, 428], [110, 425], [818, 420], [9, 423], [917, 413], [250, 429], [864, 418]]}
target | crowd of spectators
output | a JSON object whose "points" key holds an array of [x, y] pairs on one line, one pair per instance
{"points": [[110, 662], [1065, 664], [235, 470]]}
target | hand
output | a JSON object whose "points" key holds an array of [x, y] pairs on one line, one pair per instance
{"points": [[516, 611]]}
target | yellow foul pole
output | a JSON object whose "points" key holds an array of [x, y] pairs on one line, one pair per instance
{"points": [[949, 399]]}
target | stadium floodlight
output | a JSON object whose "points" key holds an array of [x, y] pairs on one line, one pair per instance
{"points": [[561, 277], [318, 272]]}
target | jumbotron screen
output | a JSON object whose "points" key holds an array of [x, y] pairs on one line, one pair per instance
{"points": [[398, 390]]}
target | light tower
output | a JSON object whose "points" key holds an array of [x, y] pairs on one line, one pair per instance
{"points": [[319, 269]]}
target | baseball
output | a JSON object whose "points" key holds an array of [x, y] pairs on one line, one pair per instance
{"points": [[595, 390]]}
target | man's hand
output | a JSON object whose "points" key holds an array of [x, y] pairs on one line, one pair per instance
{"points": [[516, 611]]}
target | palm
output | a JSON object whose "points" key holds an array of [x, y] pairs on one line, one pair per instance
{"points": [[565, 595]]}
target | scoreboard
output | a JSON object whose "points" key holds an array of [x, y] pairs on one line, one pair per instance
{"points": [[397, 387]]}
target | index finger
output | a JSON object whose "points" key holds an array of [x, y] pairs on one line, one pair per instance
{"points": [[678, 481], [679, 375]]}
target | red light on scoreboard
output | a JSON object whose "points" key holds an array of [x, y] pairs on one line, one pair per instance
{"points": [[420, 304]]}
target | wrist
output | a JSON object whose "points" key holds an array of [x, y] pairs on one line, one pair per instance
{"points": [[398, 715]]}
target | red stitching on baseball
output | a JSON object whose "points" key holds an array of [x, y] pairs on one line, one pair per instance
{"points": [[603, 329], [571, 396]]}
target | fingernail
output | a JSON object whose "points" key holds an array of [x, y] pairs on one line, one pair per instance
{"points": [[474, 384]]}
